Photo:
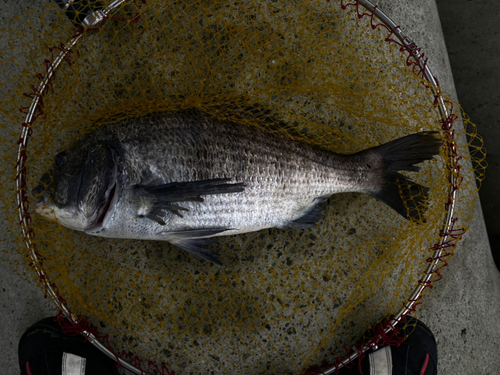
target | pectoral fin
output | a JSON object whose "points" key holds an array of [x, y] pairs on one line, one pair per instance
{"points": [[156, 214], [194, 242], [161, 199]]}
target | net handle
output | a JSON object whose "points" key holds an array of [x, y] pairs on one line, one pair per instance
{"points": [[432, 268]]}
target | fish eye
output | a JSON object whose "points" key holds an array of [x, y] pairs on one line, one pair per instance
{"points": [[61, 159]]}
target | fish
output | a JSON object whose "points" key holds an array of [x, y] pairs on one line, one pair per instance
{"points": [[186, 177]]}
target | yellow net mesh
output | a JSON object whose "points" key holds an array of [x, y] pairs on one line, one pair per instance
{"points": [[284, 300]]}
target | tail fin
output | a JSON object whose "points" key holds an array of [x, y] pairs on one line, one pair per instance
{"points": [[401, 155]]}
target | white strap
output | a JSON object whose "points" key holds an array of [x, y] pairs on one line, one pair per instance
{"points": [[73, 364], [381, 362]]}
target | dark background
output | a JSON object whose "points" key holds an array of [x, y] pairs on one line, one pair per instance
{"points": [[472, 33]]}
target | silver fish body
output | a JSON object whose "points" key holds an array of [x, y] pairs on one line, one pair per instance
{"points": [[186, 176]]}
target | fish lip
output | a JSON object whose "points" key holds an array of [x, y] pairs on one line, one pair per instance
{"points": [[44, 206]]}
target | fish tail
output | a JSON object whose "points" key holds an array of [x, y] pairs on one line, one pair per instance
{"points": [[399, 192]]}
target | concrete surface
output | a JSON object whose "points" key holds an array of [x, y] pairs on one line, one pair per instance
{"points": [[463, 308]]}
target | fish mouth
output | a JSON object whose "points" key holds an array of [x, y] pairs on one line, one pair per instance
{"points": [[44, 205], [46, 209]]}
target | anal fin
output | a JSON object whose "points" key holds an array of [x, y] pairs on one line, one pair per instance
{"points": [[309, 219]]}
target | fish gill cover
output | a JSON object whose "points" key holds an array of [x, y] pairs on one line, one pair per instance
{"points": [[311, 70]]}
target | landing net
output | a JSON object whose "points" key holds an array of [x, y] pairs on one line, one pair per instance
{"points": [[284, 301]]}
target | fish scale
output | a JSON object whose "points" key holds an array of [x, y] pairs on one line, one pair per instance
{"points": [[254, 169]]}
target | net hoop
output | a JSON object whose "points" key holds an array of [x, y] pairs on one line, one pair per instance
{"points": [[449, 233]]}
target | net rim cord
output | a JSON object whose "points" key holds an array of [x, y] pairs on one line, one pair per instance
{"points": [[22, 200]]}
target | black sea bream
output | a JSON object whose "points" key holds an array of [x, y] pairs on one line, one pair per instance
{"points": [[184, 177]]}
